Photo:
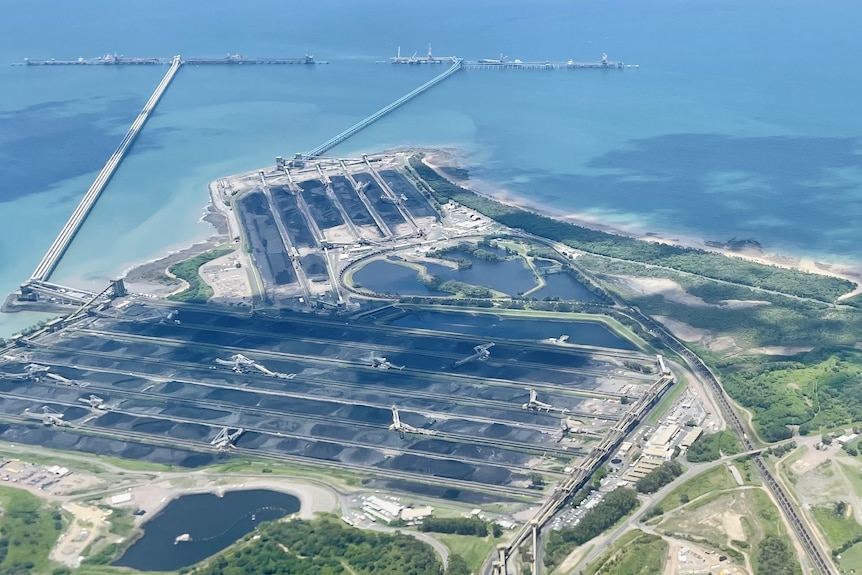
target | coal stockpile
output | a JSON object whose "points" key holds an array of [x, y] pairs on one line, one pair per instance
{"points": [[324, 389], [293, 219], [381, 203], [416, 202], [265, 242], [315, 267], [322, 210], [54, 438], [436, 491], [350, 201]]}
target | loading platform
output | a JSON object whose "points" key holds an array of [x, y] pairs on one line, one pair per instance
{"points": [[229, 59]]}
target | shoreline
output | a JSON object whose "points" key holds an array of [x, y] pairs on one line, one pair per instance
{"points": [[443, 159], [143, 277], [156, 496]]}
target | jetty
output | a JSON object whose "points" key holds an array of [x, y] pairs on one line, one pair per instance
{"points": [[61, 242]]}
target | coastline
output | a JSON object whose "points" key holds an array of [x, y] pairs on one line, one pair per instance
{"points": [[150, 277], [445, 159]]}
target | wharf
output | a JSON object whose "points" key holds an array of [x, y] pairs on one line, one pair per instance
{"points": [[229, 59], [503, 63]]}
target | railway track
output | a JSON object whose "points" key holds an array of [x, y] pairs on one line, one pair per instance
{"points": [[312, 380], [818, 558], [288, 435], [637, 379], [279, 456], [279, 356], [324, 419]]}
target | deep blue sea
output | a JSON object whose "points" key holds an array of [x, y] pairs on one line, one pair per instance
{"points": [[742, 121]]}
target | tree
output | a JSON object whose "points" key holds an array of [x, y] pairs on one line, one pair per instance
{"points": [[840, 508], [496, 530], [457, 566]]}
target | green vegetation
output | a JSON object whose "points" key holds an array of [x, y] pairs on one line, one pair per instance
{"points": [[29, 528], [659, 477], [635, 553], [324, 547], [775, 557], [712, 446], [695, 261], [461, 253], [822, 389], [616, 505], [838, 526], [473, 550], [455, 287], [709, 481], [457, 525], [710, 518], [188, 270], [457, 566]]}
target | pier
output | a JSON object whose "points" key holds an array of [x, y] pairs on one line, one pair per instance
{"points": [[332, 142], [61, 243], [229, 59], [503, 63]]}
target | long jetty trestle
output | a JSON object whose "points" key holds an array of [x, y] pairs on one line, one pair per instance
{"points": [[61, 243], [41, 275]]}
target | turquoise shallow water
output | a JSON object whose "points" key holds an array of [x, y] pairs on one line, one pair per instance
{"points": [[742, 120]]}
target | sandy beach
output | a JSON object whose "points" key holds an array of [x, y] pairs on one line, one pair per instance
{"points": [[448, 158]]}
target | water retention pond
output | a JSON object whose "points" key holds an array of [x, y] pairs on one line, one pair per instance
{"points": [[212, 523]]}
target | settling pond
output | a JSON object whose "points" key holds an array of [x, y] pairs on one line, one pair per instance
{"points": [[212, 522], [508, 276]]}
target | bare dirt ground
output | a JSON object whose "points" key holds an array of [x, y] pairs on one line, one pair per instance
{"points": [[684, 331], [230, 283], [88, 522]]}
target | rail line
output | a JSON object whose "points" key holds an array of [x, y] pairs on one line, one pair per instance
{"points": [[817, 557], [288, 435], [269, 412], [284, 356], [164, 441]]}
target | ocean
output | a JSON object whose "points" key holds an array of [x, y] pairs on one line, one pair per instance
{"points": [[742, 120]]}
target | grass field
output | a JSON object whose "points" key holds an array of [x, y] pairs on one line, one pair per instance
{"points": [[852, 559], [198, 290], [710, 481], [474, 550], [635, 553], [29, 529], [837, 529]]}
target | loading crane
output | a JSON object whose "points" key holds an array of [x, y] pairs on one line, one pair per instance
{"points": [[242, 364], [379, 362], [402, 428], [64, 381], [48, 416], [226, 437], [482, 353], [33, 371], [535, 404], [95, 402]]}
